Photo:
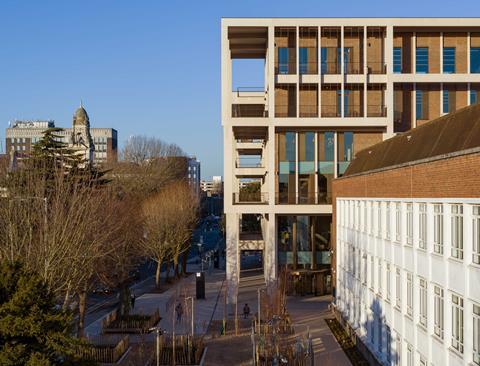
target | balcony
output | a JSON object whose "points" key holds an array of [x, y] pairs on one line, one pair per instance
{"points": [[251, 240], [249, 111], [377, 68], [353, 111], [250, 198], [331, 110], [330, 68], [249, 167], [286, 63], [320, 198], [376, 110]]}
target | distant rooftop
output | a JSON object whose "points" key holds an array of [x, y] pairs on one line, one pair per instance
{"points": [[32, 123], [454, 134]]}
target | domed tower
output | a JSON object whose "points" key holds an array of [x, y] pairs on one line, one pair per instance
{"points": [[81, 140]]}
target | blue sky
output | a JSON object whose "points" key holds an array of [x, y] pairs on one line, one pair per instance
{"points": [[145, 67]]}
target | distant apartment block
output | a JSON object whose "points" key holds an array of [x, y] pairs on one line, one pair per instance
{"points": [[21, 135], [212, 187], [332, 87], [407, 253], [194, 174]]}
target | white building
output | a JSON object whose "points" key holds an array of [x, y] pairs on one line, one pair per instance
{"points": [[194, 174]]}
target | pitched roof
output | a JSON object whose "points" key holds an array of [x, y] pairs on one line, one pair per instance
{"points": [[451, 134]]}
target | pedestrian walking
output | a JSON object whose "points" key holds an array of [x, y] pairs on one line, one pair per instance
{"points": [[179, 311], [132, 300], [246, 311]]}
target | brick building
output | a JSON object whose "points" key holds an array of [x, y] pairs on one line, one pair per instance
{"points": [[406, 218]]}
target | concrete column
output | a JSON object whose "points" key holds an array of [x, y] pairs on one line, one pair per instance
{"points": [[270, 252], [271, 188], [270, 77], [298, 78], [441, 52], [232, 253], [469, 91], [365, 72], [414, 53], [342, 71], [414, 105], [389, 93], [468, 52], [226, 76], [319, 62]]}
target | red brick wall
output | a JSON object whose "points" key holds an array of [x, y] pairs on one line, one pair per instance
{"points": [[448, 178]]}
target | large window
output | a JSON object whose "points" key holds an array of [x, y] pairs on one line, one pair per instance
{"points": [[473, 97], [421, 66], [457, 323], [438, 228], [457, 231], [388, 344], [419, 111], [379, 219], [409, 294], [286, 167], [438, 311], [409, 354], [389, 282], [398, 350], [422, 226], [303, 55], [476, 334], [282, 60], [326, 166], [423, 302], [345, 151], [446, 101], [398, 222], [449, 60], [380, 275], [380, 334], [397, 60], [306, 167], [372, 272], [476, 234], [387, 220], [475, 60]]}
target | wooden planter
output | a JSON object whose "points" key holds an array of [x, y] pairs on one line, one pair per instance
{"points": [[135, 323]]}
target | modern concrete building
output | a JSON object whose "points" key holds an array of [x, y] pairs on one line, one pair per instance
{"points": [[212, 187], [101, 142], [407, 255], [331, 87]]}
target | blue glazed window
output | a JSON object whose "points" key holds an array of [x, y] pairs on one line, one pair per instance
{"points": [[303, 60], [422, 60], [475, 60], [473, 97], [283, 60], [397, 60], [449, 60], [446, 102], [419, 104]]}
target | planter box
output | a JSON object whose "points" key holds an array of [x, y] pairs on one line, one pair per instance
{"points": [[133, 323]]}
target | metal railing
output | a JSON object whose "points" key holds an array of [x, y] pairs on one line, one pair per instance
{"points": [[374, 110], [251, 89], [376, 68], [250, 198], [330, 110], [320, 198], [249, 162], [250, 235], [307, 110], [249, 111]]}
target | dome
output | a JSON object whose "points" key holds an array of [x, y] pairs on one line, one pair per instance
{"points": [[81, 117]]}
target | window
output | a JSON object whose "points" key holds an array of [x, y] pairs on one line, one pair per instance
{"points": [[409, 294], [423, 361], [398, 222], [379, 219], [438, 228], [457, 323], [364, 272], [372, 273], [475, 60], [423, 303], [397, 60], [473, 97], [449, 60], [282, 60], [419, 104], [388, 334], [389, 282], [438, 307], [446, 102], [476, 334], [422, 60], [372, 215], [409, 355], [409, 223], [379, 276], [372, 329], [365, 216], [387, 221], [476, 234], [303, 65], [457, 231], [398, 349], [422, 226], [380, 334], [398, 288]]}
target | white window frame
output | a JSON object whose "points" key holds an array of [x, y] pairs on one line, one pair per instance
{"points": [[423, 302], [438, 222], [398, 288], [409, 294], [476, 334], [388, 344], [409, 239], [409, 354], [387, 221], [372, 272], [389, 281], [457, 231], [457, 323], [438, 311], [398, 222], [422, 226], [380, 276], [476, 234]]}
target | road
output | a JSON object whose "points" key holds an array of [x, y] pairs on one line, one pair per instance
{"points": [[208, 232]]}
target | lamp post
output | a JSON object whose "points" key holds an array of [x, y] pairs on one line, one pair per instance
{"points": [[193, 311], [159, 332]]}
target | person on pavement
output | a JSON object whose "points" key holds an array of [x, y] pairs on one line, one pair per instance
{"points": [[246, 311], [179, 310]]}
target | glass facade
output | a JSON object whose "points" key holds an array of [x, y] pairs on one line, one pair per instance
{"points": [[449, 60], [475, 60], [473, 97], [326, 155], [303, 54], [421, 66], [397, 60], [419, 104], [446, 103], [286, 167], [306, 167], [303, 241], [282, 60], [345, 151]]}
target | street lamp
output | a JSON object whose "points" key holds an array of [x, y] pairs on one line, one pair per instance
{"points": [[193, 310], [159, 333]]}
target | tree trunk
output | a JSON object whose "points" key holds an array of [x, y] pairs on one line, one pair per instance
{"points": [[167, 271], [175, 266], [66, 300], [124, 298], [82, 307], [157, 274], [184, 261]]}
